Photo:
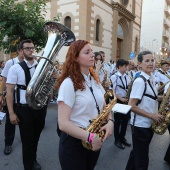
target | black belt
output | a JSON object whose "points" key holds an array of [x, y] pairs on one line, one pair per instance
{"points": [[22, 105]]}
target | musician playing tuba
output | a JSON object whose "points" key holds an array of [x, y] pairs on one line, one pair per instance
{"points": [[144, 111], [80, 100]]}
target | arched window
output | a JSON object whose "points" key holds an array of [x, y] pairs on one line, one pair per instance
{"points": [[97, 29], [120, 31], [67, 22], [136, 45]]}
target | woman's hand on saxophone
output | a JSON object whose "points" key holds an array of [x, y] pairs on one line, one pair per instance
{"points": [[108, 128], [157, 117], [96, 143]]}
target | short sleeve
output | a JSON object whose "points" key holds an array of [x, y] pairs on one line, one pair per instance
{"points": [[137, 89], [113, 79], [5, 71], [66, 92], [12, 75]]}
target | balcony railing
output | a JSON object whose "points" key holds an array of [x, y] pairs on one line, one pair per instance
{"points": [[167, 13], [166, 24], [166, 34], [168, 2]]}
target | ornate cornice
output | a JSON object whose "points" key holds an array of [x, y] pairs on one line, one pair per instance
{"points": [[123, 11]]}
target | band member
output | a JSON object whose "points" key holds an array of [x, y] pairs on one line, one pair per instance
{"points": [[130, 68], [105, 65], [165, 77], [167, 154], [9, 128], [80, 99], [31, 122], [98, 63], [144, 111], [120, 81]]}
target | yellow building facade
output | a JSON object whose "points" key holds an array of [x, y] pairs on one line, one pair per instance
{"points": [[110, 26]]}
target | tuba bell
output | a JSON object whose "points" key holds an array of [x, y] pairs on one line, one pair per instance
{"points": [[40, 85]]}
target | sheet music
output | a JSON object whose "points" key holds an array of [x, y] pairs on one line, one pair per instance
{"points": [[121, 108], [2, 115]]}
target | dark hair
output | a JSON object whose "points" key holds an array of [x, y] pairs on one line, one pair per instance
{"points": [[96, 54], [140, 56], [121, 62], [101, 52], [20, 45], [164, 62]]}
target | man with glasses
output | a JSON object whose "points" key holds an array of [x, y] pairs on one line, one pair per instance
{"points": [[31, 122]]}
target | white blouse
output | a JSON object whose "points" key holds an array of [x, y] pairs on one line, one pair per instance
{"points": [[82, 103]]}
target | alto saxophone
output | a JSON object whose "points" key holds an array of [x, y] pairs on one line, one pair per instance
{"points": [[160, 128], [97, 123], [129, 87]]}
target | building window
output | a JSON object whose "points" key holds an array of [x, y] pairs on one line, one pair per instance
{"points": [[120, 31], [67, 22], [97, 29], [136, 45], [125, 2]]}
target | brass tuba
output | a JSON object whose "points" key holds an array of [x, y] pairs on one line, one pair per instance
{"points": [[165, 111], [40, 85], [101, 120]]}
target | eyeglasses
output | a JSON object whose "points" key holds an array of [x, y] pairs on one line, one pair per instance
{"points": [[29, 48]]}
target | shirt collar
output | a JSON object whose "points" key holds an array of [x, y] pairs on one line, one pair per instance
{"points": [[145, 75], [119, 74], [86, 77], [29, 65]]}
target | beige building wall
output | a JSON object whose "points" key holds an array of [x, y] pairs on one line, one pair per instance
{"points": [[111, 14]]}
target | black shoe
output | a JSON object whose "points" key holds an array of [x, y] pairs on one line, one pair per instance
{"points": [[36, 166], [119, 145], [167, 161], [124, 141], [7, 150]]}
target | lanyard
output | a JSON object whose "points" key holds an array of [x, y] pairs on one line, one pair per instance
{"points": [[91, 89], [123, 83]]}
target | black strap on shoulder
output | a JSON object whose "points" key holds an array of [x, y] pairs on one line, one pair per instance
{"points": [[27, 80], [145, 80], [26, 71]]}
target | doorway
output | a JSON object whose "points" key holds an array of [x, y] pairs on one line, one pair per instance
{"points": [[118, 53]]}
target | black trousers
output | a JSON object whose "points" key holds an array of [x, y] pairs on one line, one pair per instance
{"points": [[120, 124], [31, 124], [139, 156], [9, 128], [73, 156], [167, 155]]}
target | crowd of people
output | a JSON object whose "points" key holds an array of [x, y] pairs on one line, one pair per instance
{"points": [[83, 81]]}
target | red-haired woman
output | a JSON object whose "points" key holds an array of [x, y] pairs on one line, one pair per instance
{"points": [[80, 99]]}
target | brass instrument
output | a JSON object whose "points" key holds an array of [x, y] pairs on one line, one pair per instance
{"points": [[40, 85], [104, 82], [161, 88], [165, 111], [97, 123], [129, 86]]}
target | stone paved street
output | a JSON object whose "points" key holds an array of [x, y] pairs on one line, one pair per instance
{"points": [[111, 158]]}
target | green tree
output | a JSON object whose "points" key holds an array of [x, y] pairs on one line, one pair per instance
{"points": [[22, 20]]}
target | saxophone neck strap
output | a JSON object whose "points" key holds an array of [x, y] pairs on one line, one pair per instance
{"points": [[91, 90]]}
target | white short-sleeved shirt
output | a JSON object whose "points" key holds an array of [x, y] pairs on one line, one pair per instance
{"points": [[116, 81], [147, 104], [82, 103], [8, 65], [16, 75], [163, 78]]}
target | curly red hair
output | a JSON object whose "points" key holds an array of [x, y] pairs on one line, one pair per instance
{"points": [[71, 67]]}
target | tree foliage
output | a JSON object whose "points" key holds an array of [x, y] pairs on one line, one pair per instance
{"points": [[22, 20]]}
